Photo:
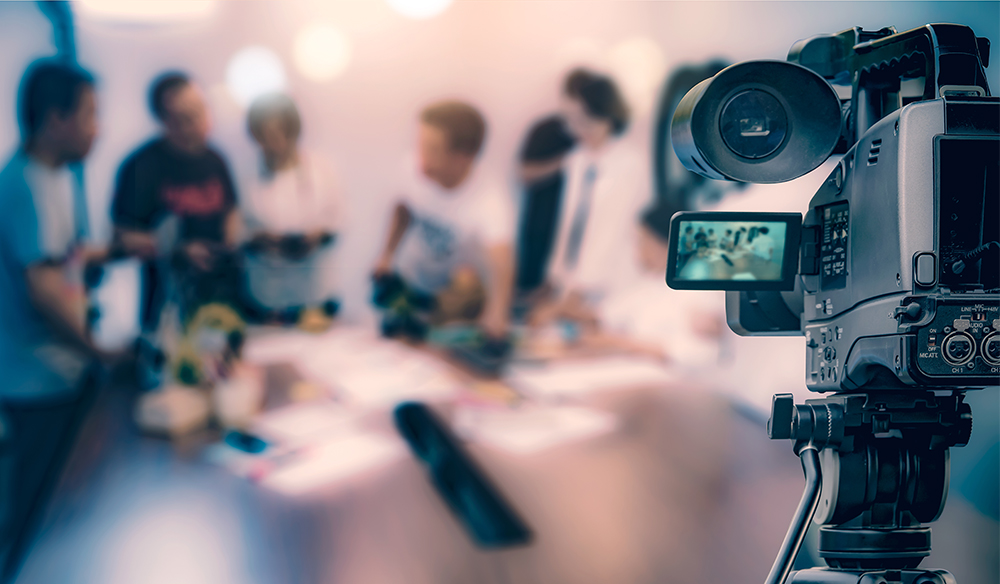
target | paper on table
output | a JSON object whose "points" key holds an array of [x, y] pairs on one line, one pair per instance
{"points": [[531, 429], [300, 424], [374, 372], [386, 387], [273, 347], [340, 459], [267, 345], [585, 376], [355, 364]]}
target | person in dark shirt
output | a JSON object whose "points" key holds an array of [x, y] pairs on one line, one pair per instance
{"points": [[176, 176], [543, 178]]}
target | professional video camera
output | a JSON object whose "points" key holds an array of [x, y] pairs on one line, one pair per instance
{"points": [[892, 275]]}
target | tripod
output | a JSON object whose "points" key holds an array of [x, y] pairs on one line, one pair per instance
{"points": [[876, 468]]}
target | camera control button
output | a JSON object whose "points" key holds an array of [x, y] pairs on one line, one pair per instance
{"points": [[925, 269]]}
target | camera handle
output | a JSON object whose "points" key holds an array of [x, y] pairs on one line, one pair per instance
{"points": [[803, 516], [875, 62]]}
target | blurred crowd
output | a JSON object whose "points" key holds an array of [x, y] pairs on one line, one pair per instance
{"points": [[589, 236], [740, 253]]}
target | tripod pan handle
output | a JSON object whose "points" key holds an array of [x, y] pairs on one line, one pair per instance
{"points": [[803, 515]]}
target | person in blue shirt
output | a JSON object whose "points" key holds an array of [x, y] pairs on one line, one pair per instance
{"points": [[48, 361], [44, 343]]}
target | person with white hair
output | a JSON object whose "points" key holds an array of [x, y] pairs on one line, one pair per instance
{"points": [[293, 214]]}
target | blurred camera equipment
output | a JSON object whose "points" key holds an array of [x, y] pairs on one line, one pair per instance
{"points": [[892, 276]]}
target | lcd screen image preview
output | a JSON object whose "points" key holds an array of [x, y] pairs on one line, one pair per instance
{"points": [[730, 250]]}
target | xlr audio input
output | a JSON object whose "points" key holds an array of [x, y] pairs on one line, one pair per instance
{"points": [[991, 348], [958, 348]]}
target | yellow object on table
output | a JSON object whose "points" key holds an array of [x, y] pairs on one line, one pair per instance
{"points": [[314, 320], [205, 344]]}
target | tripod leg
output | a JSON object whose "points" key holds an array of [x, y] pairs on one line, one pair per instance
{"points": [[803, 515]]}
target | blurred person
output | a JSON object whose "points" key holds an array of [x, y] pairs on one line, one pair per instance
{"points": [[292, 215], [643, 315], [607, 183], [44, 342], [543, 178], [174, 196], [763, 244], [458, 223], [701, 246], [47, 357], [726, 243], [740, 239], [685, 242]]}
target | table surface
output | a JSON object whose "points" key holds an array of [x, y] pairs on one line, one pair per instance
{"points": [[686, 489]]}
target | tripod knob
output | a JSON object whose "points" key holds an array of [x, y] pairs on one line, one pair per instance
{"points": [[779, 427], [964, 424]]}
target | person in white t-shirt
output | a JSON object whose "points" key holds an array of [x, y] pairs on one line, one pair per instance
{"points": [[458, 224], [607, 185], [763, 244], [292, 213]]}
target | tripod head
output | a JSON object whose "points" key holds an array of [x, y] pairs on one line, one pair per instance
{"points": [[876, 464]]}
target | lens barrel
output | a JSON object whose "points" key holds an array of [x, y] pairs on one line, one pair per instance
{"points": [[757, 121]]}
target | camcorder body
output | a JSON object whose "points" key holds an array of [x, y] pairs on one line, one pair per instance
{"points": [[892, 274], [881, 280]]}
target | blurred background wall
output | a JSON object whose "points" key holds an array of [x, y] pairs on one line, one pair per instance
{"points": [[362, 69]]}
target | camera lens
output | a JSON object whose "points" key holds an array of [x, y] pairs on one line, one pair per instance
{"points": [[753, 124], [958, 348], [991, 349]]}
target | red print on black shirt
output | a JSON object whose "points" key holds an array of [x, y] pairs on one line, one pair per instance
{"points": [[203, 199]]}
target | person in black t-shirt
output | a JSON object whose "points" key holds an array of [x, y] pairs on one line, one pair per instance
{"points": [[542, 175], [176, 175]]}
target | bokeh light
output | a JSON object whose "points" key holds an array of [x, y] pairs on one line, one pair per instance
{"points": [[419, 9], [321, 52], [252, 72]]}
